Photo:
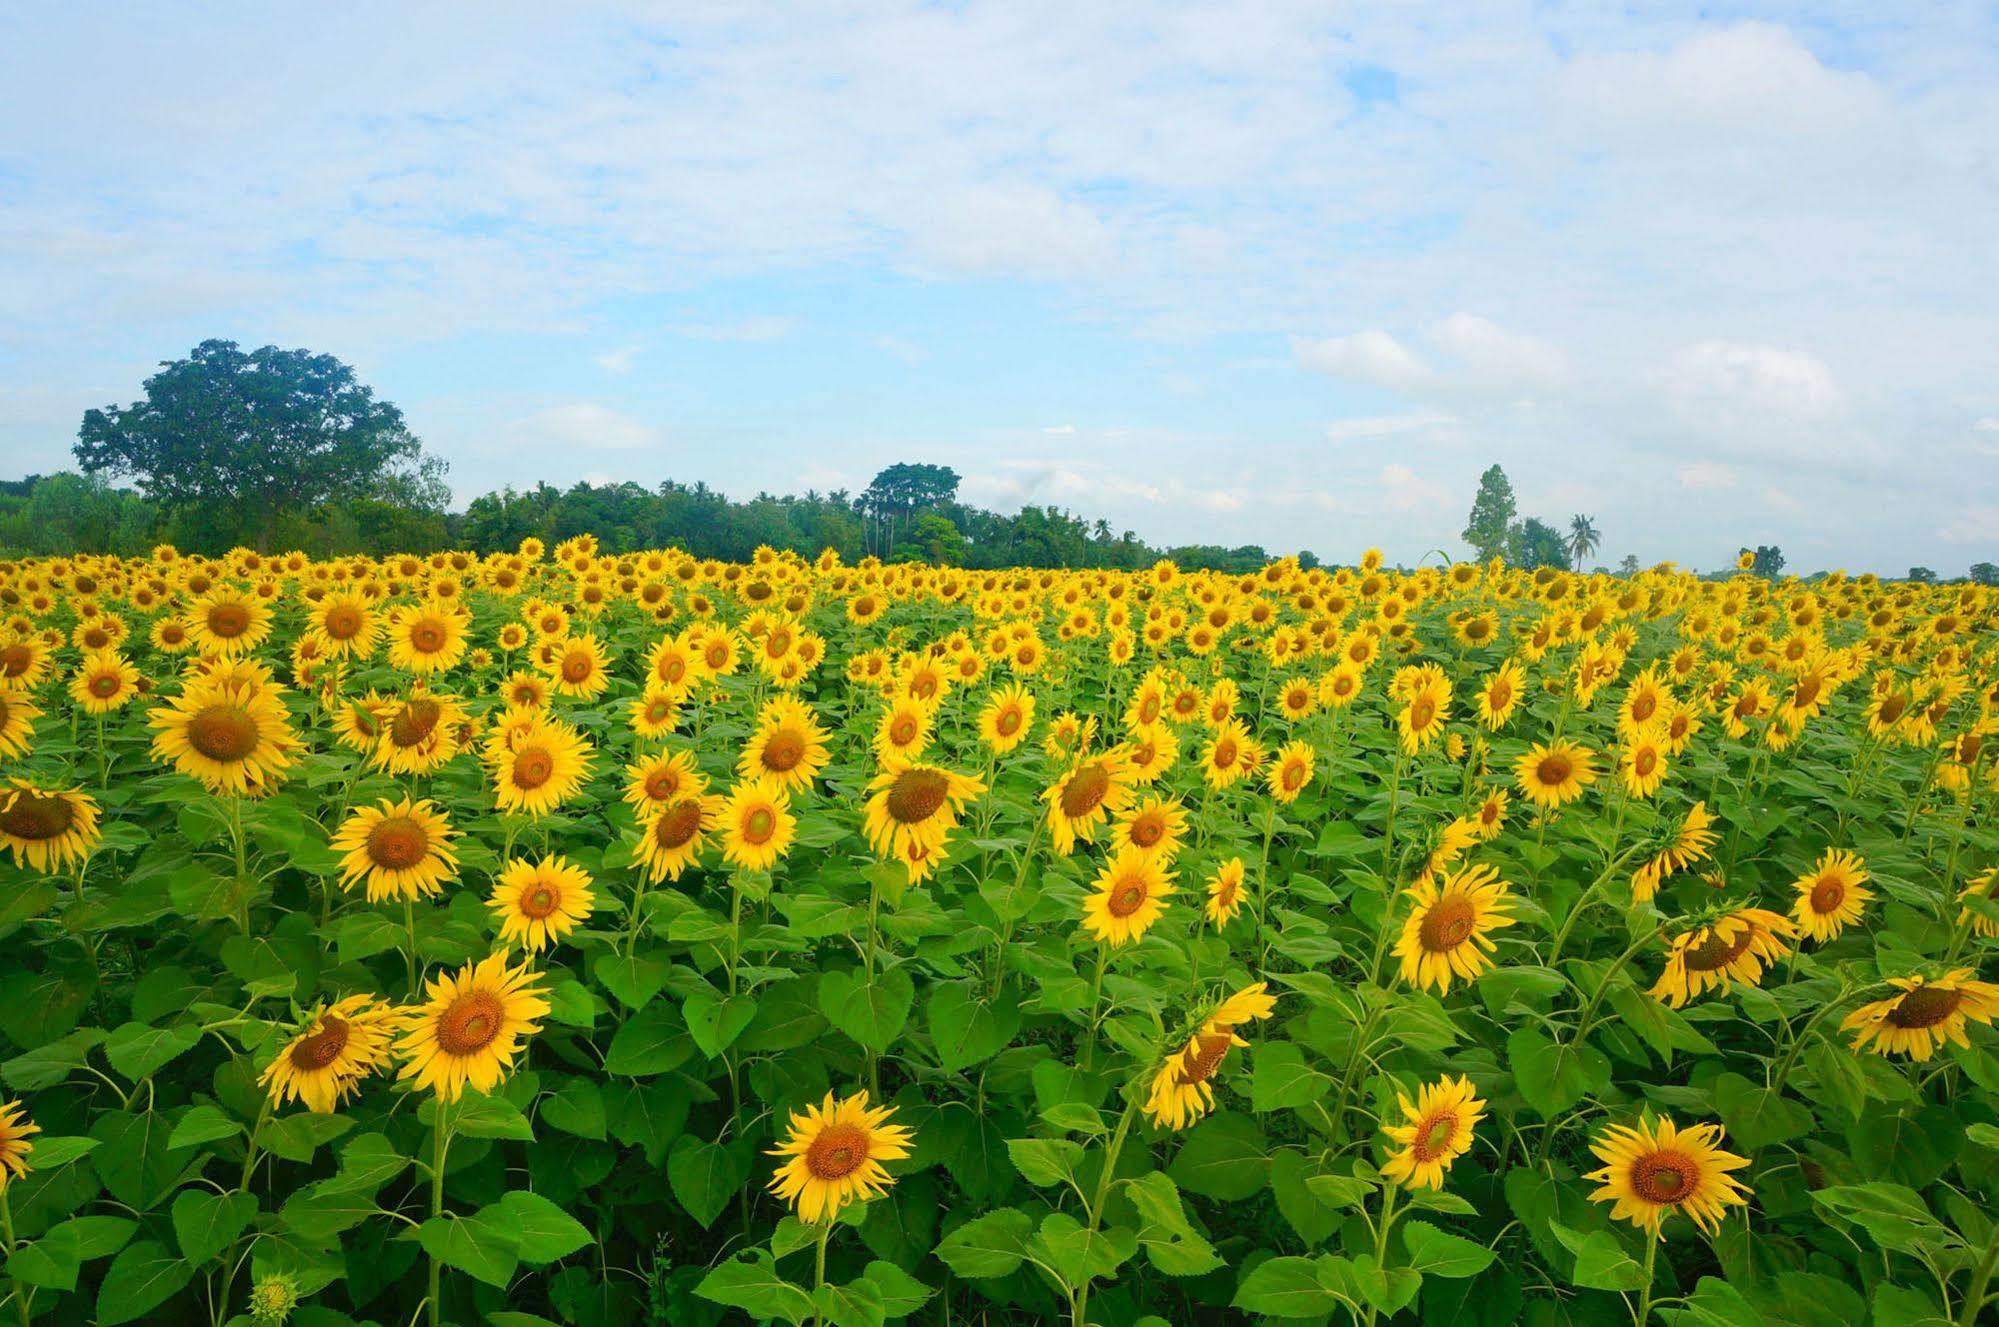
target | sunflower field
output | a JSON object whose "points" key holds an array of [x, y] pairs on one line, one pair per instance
{"points": [[568, 937]]}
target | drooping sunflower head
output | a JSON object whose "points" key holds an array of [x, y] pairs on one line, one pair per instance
{"points": [[1225, 893], [47, 828], [1655, 1169], [1685, 843], [1095, 788], [335, 1049], [1183, 1087], [1736, 946], [16, 1129], [834, 1153], [1436, 1131], [1449, 929], [1928, 1012]]}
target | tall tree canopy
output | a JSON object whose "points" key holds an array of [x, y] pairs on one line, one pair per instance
{"points": [[898, 493], [248, 438], [1492, 513]]}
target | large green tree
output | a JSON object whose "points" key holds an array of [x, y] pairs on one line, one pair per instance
{"points": [[899, 493], [1492, 513], [1535, 543], [245, 439]]}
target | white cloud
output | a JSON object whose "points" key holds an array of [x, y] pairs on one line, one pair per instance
{"points": [[1977, 524], [1372, 357], [1492, 354], [1406, 491], [585, 425], [1705, 476], [619, 360], [1059, 430], [1383, 426], [755, 329], [1765, 379]]}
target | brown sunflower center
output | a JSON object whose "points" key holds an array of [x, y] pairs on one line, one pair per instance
{"points": [[1204, 1056], [1126, 897], [1642, 706], [1554, 770], [578, 668], [1147, 830], [342, 622], [541, 899], [1434, 1135], [783, 750], [902, 729], [37, 815], [1644, 762], [533, 767], [1008, 722], [415, 721], [759, 824], [1892, 707], [106, 685], [1447, 923], [1225, 753], [1828, 894], [398, 843], [427, 637], [1085, 791], [1294, 776], [228, 620], [838, 1151], [315, 1052], [677, 824], [1421, 712], [470, 1023], [1714, 953], [223, 733], [1925, 1007], [1664, 1176], [916, 795]]}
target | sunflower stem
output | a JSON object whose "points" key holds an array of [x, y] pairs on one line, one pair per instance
{"points": [[1643, 1314], [409, 924], [22, 1294], [819, 1271], [1981, 1277], [1096, 1209], [440, 1146]]}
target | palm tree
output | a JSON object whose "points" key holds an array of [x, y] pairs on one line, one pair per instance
{"points": [[1583, 539]]}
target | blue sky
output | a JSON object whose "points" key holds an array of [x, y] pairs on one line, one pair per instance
{"points": [[1284, 273]]}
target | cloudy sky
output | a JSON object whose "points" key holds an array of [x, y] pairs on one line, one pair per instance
{"points": [[1716, 274]]}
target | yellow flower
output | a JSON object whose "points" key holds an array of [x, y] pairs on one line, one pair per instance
{"points": [[788, 747], [1830, 895], [467, 1033], [757, 824], [1643, 766], [104, 682], [1225, 895], [661, 778], [538, 767], [420, 735], [1554, 775], [1424, 712], [1153, 825], [1007, 718], [1736, 946], [227, 623], [1927, 1013], [402, 850], [538, 903], [1690, 844], [232, 738], [1500, 695], [1128, 897], [427, 638], [1183, 1088], [835, 1152], [1438, 1131], [15, 1131], [1985, 888], [47, 828], [1651, 1171], [1094, 789], [17, 723], [335, 1049], [1230, 755], [1291, 771], [674, 831], [580, 667], [344, 626], [654, 713], [1449, 929]]}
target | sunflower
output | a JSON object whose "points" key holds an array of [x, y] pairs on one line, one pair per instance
{"points": [[17, 723], [24, 660], [1690, 843], [1500, 695], [525, 691], [1424, 712], [661, 778], [1929, 1012], [1231, 754], [1552, 775], [334, 1050], [226, 623], [1490, 818], [654, 713], [1094, 789], [1128, 897], [1153, 825], [15, 1130], [836, 1150], [1225, 896], [421, 734], [580, 667], [1449, 929], [757, 824], [1643, 765], [788, 747], [1737, 946], [1830, 895], [913, 806], [1291, 771], [1438, 1131], [345, 626], [904, 730], [402, 850], [470, 1029], [170, 635], [673, 833], [540, 902], [104, 682], [233, 739], [1152, 752], [1007, 718], [47, 828], [1651, 1171], [538, 767], [1183, 1089], [427, 638]]}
